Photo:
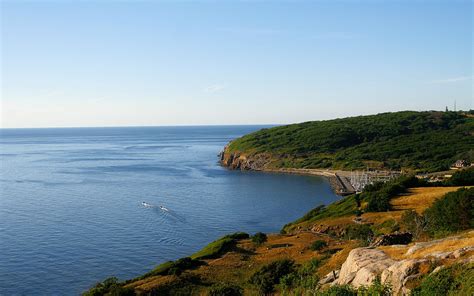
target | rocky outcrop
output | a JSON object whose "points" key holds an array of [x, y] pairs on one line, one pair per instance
{"points": [[239, 161], [401, 273], [362, 267]]}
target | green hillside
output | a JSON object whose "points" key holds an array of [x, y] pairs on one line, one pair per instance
{"points": [[428, 141]]}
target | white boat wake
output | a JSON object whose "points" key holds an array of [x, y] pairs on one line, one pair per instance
{"points": [[146, 205]]}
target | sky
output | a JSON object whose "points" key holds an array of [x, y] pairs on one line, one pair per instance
{"points": [[132, 63]]}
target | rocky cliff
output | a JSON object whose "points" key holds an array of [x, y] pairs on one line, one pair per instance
{"points": [[237, 160]]}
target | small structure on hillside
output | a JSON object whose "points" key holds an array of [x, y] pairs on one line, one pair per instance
{"points": [[459, 164]]}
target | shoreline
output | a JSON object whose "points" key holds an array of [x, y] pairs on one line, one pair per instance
{"points": [[338, 179]]}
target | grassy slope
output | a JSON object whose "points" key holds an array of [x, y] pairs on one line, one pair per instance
{"points": [[237, 265], [418, 140]]}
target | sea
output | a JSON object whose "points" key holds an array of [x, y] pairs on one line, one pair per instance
{"points": [[78, 205]]}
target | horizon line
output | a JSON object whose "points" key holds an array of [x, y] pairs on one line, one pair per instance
{"points": [[138, 126]]}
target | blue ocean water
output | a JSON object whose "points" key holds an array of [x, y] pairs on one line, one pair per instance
{"points": [[71, 210]]}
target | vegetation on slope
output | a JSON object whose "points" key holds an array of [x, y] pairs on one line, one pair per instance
{"points": [[429, 141], [463, 177], [220, 246], [453, 280], [377, 197], [451, 213]]}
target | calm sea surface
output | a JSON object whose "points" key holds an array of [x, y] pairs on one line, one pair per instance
{"points": [[71, 210]]}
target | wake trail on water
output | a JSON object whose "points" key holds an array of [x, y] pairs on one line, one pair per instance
{"points": [[165, 212]]}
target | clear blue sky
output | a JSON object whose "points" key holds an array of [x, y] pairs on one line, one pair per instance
{"points": [[114, 63]]}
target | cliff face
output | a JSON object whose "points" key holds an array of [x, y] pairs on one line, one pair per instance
{"points": [[237, 160]]}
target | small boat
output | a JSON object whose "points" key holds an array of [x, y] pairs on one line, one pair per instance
{"points": [[164, 209], [145, 204]]}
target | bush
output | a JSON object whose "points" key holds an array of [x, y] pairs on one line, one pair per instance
{"points": [[463, 177], [345, 290], [225, 290], [375, 289], [238, 235], [110, 286], [269, 275], [386, 227], [173, 267], [186, 284], [414, 223], [359, 231], [451, 213], [302, 278], [219, 247], [378, 195], [259, 238], [453, 280], [318, 245]]}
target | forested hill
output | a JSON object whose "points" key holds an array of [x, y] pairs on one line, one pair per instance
{"points": [[427, 141]]}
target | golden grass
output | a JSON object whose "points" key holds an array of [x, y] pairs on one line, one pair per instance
{"points": [[448, 244], [336, 260], [418, 199]]}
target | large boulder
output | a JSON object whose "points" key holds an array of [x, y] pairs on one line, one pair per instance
{"points": [[362, 266], [401, 272]]}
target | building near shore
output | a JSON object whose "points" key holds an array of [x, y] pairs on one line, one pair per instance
{"points": [[459, 164]]}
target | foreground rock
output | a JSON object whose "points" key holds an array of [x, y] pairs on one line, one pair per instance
{"points": [[362, 267], [401, 273]]}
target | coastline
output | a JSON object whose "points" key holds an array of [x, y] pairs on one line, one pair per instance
{"points": [[337, 179]]}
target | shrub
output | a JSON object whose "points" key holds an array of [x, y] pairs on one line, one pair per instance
{"points": [[386, 227], [269, 275], [378, 195], [225, 290], [238, 235], [318, 245], [303, 278], [453, 212], [463, 177], [110, 286], [345, 290], [173, 267], [186, 284], [259, 238], [413, 223], [375, 289], [215, 249], [359, 231], [453, 280]]}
